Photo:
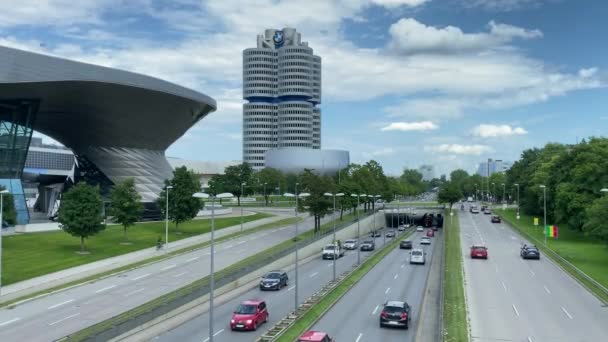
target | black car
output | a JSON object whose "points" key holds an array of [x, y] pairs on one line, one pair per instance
{"points": [[368, 245], [274, 280], [405, 244], [375, 233], [390, 234], [495, 219], [529, 252], [395, 314]]}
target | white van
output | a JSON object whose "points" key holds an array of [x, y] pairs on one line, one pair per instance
{"points": [[417, 256]]}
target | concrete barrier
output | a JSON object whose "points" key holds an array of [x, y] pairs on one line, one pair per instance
{"points": [[227, 292]]}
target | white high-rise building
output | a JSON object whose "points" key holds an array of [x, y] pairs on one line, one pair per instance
{"points": [[427, 171], [282, 84]]}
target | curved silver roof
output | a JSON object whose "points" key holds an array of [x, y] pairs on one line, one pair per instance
{"points": [[84, 105]]}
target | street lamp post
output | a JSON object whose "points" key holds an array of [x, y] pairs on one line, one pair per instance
{"points": [[168, 187], [265, 201], [358, 229], [1, 223], [544, 211], [517, 185], [493, 194], [296, 195], [211, 275], [333, 216], [476, 191], [241, 204], [503, 194]]}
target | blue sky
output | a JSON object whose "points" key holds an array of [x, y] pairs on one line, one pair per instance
{"points": [[405, 82]]}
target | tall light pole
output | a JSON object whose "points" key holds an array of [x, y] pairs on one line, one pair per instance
{"points": [[211, 275], [241, 204], [168, 187], [296, 195], [333, 216], [1, 224], [476, 191], [517, 185], [265, 202], [544, 211], [358, 228], [503, 194]]}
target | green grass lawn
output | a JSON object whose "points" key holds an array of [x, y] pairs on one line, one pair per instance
{"points": [[582, 251], [455, 321], [31, 255]]}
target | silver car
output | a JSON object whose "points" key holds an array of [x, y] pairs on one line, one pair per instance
{"points": [[417, 256], [425, 240], [351, 244]]}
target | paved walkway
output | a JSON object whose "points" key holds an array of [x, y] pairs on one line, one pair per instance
{"points": [[58, 278]]}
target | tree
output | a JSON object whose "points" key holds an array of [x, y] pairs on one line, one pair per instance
{"points": [[596, 224], [126, 204], [235, 176], [413, 179], [182, 206], [80, 213], [317, 204], [449, 193], [9, 214], [273, 179]]}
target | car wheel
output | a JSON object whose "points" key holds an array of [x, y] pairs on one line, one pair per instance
{"points": [[255, 326], [406, 326], [266, 319]]}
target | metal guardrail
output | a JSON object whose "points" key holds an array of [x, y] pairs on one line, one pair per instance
{"points": [[146, 312]]}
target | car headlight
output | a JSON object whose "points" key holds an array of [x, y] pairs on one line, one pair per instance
{"points": [[232, 321], [249, 321]]}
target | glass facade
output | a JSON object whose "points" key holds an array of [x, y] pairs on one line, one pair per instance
{"points": [[16, 122]]}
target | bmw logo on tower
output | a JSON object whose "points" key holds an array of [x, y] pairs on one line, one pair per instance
{"points": [[278, 39]]}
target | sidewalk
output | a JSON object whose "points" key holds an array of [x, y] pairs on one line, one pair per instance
{"points": [[58, 278]]}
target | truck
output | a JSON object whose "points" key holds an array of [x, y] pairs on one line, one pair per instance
{"points": [[333, 251], [469, 199]]}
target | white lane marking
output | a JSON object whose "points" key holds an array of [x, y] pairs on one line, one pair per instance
{"points": [[105, 288], [141, 276], [396, 276], [291, 288], [530, 339], [496, 268], [219, 332], [330, 265], [192, 259], [168, 267], [375, 309], [359, 337], [179, 275], [504, 286], [314, 274], [515, 309], [546, 289], [60, 304], [532, 272], [388, 289], [241, 242], [566, 312], [9, 322], [402, 265], [228, 246], [63, 319], [134, 292]]}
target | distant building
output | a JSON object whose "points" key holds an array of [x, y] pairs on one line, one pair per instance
{"points": [[490, 167], [427, 171], [204, 169]]}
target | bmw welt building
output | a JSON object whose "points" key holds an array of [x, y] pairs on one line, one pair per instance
{"points": [[117, 123]]}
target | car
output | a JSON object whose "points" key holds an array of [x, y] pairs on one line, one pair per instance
{"points": [[375, 233], [495, 219], [474, 211], [483, 207], [351, 244], [368, 245], [425, 240], [395, 314], [401, 227], [405, 244], [332, 251], [274, 280], [472, 207], [419, 228], [430, 233], [435, 228], [529, 252], [479, 251], [487, 211], [249, 315], [390, 234], [315, 336], [417, 256]]}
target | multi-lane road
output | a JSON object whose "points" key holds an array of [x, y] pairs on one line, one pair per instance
{"points": [[313, 275], [511, 299], [355, 317], [65, 312]]}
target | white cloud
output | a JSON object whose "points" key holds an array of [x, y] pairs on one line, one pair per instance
{"points": [[382, 152], [409, 36], [502, 5], [53, 12], [397, 3], [493, 131], [410, 126], [460, 149], [431, 108]]}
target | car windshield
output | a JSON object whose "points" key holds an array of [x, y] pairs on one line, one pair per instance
{"points": [[245, 309], [368, 242], [329, 247], [350, 241], [273, 276], [478, 249], [391, 309], [417, 253]]}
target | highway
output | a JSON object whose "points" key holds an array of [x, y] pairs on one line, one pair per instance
{"points": [[356, 315], [70, 310], [511, 299], [313, 275]]}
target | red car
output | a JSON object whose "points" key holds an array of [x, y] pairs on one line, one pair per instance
{"points": [[479, 251], [315, 336], [430, 233], [249, 315]]}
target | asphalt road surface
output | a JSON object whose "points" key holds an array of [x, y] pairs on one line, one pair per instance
{"points": [[313, 275], [356, 315], [511, 299], [57, 315]]}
